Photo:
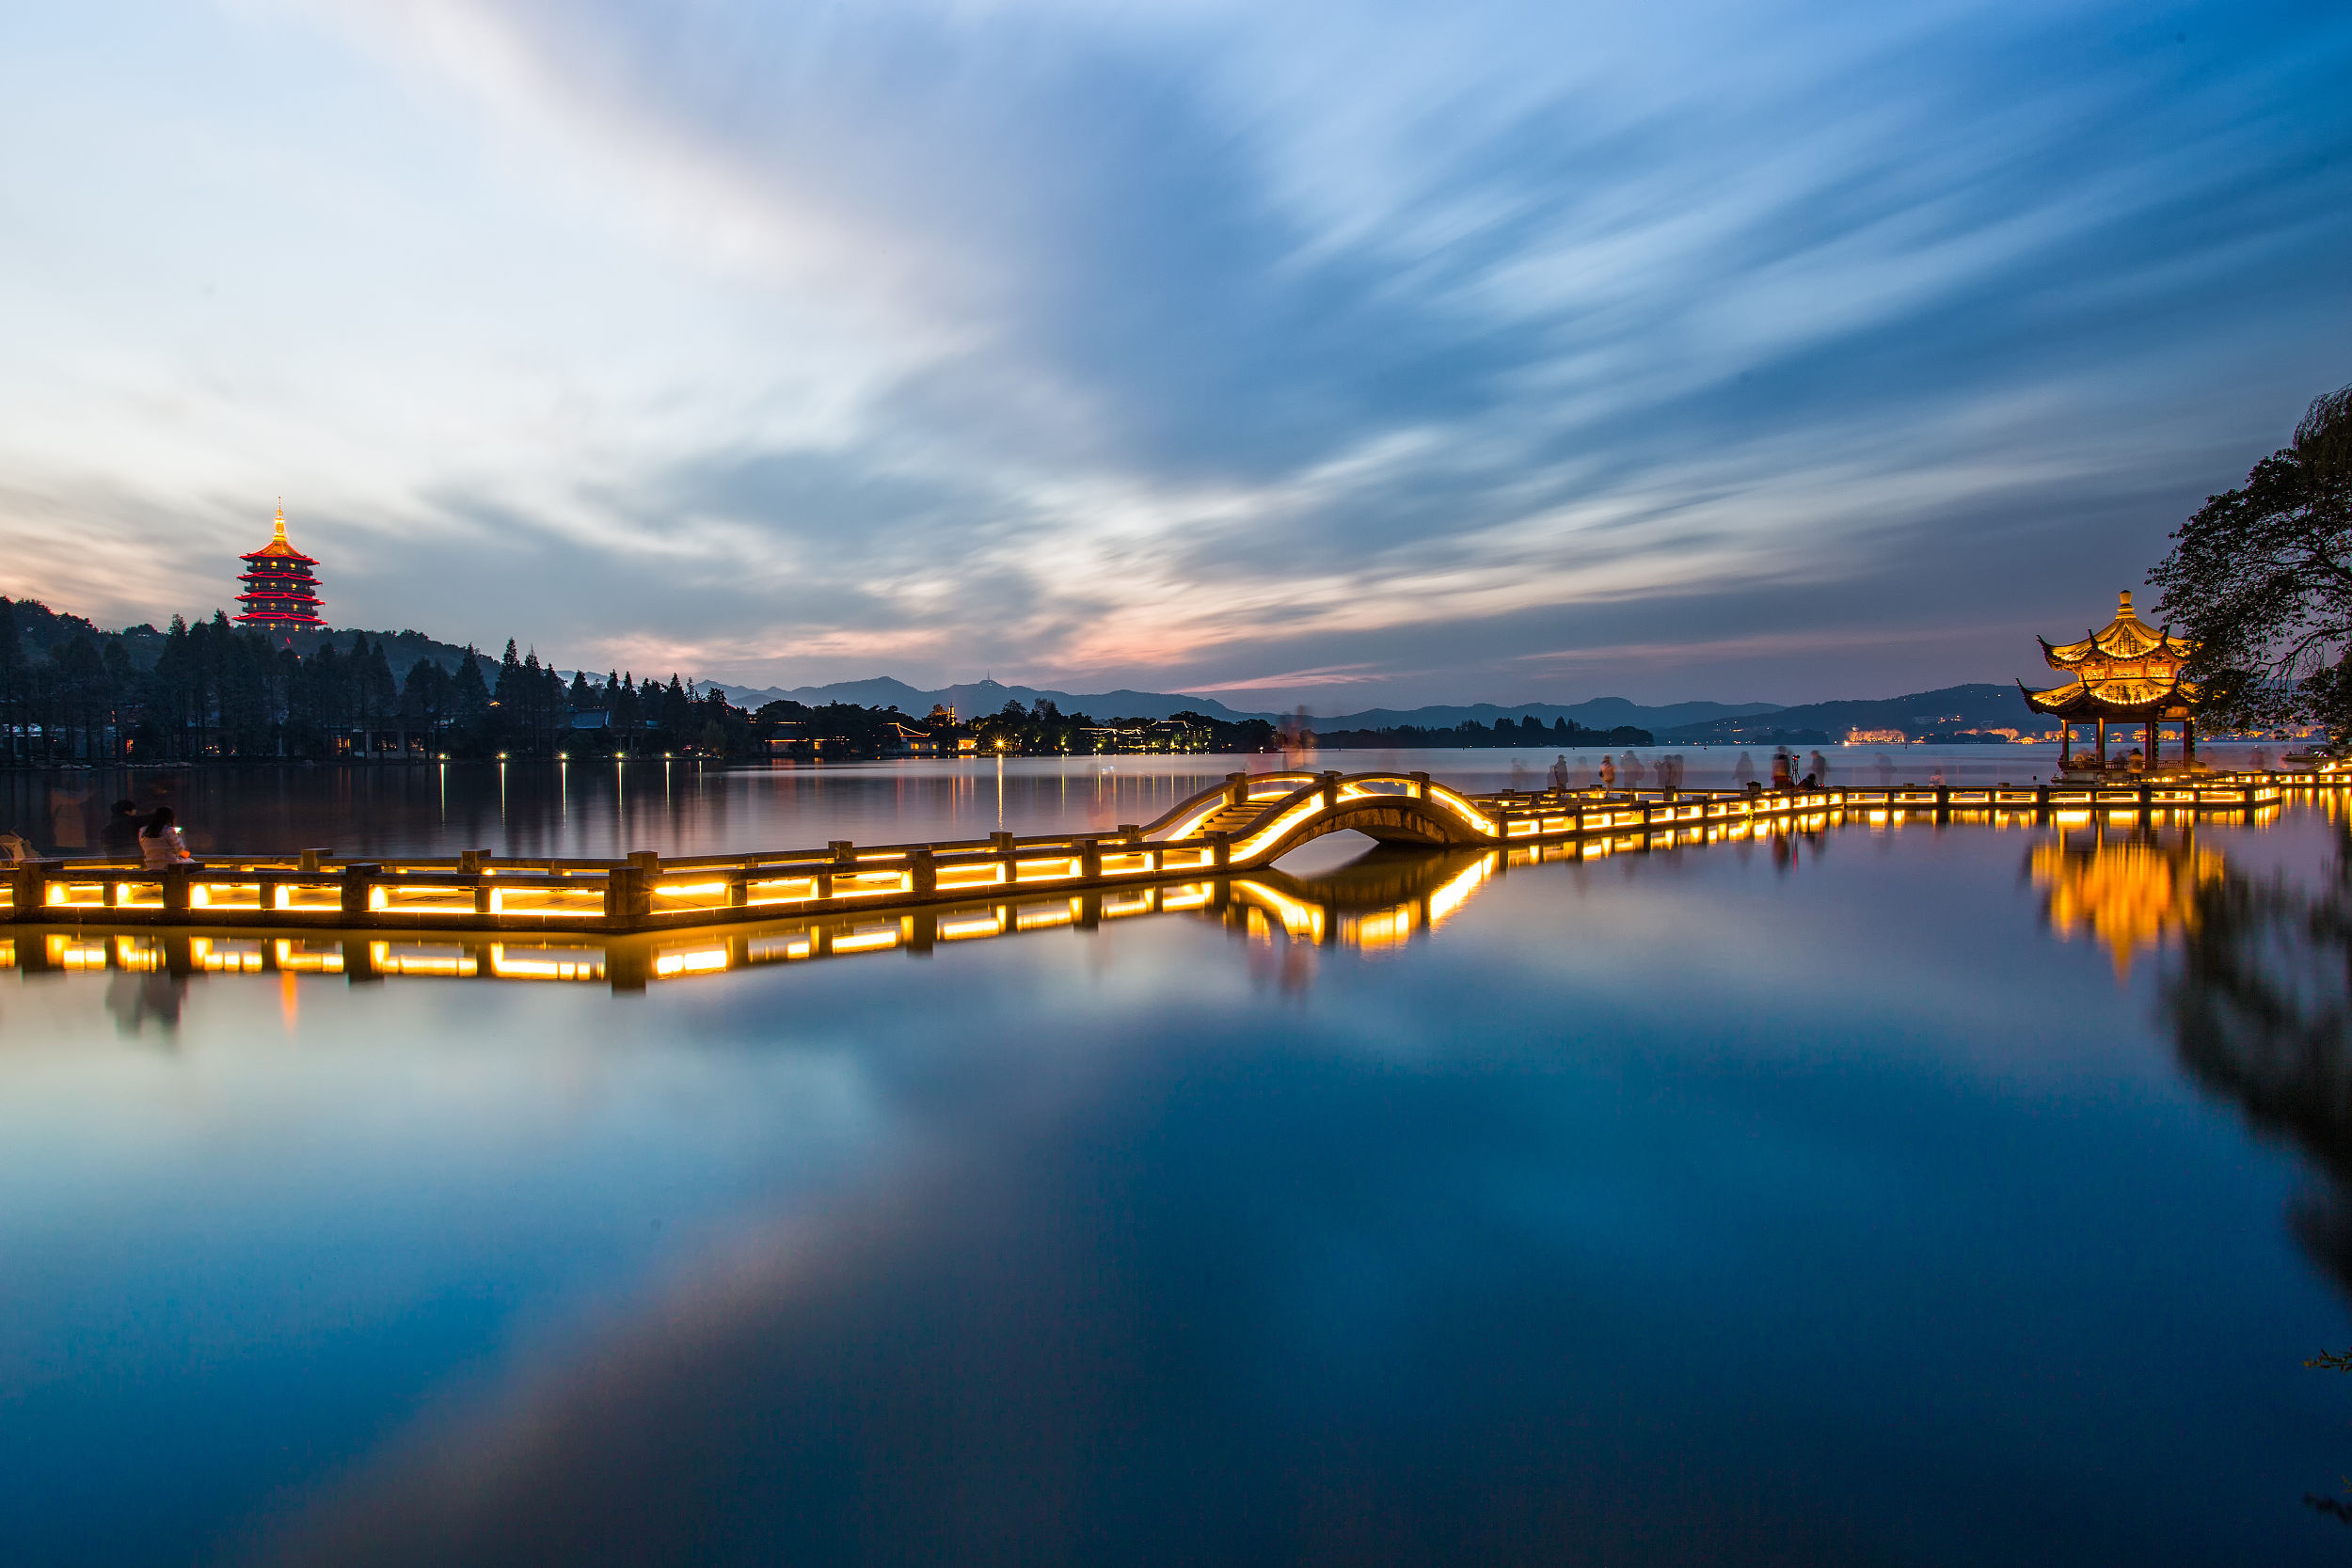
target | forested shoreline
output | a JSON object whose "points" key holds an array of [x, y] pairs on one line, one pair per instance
{"points": [[214, 691]]}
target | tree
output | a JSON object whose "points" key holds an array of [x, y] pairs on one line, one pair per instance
{"points": [[2261, 579]]}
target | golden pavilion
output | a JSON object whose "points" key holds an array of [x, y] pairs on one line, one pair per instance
{"points": [[2126, 672]]}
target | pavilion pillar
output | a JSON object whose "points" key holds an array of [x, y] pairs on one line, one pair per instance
{"points": [[2151, 745], [2188, 743], [2102, 740], [2066, 744]]}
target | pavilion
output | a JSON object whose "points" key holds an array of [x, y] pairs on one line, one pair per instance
{"points": [[2126, 672]]}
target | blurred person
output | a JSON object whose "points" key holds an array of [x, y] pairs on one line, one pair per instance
{"points": [[120, 837], [1744, 771], [1818, 769], [1631, 771], [68, 828], [1608, 771], [1559, 771], [1784, 776], [1886, 765]]}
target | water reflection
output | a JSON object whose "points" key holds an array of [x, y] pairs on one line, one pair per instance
{"points": [[2127, 887], [2261, 1011]]}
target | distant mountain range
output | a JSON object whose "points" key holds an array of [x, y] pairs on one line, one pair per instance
{"points": [[1977, 706], [988, 696]]}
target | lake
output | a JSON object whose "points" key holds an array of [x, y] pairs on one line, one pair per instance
{"points": [[1883, 1194]]}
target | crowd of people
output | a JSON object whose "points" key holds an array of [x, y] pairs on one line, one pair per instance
{"points": [[1665, 771]]}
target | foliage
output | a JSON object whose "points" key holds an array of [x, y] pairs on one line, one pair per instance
{"points": [[2261, 579]]}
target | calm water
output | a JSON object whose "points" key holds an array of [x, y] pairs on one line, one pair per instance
{"points": [[1891, 1196]]}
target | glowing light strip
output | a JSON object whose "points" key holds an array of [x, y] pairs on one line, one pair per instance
{"points": [[1248, 847], [1447, 898], [585, 965], [867, 942], [1299, 920], [1461, 807], [965, 928]]}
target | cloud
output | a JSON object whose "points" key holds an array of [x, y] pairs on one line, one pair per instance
{"points": [[1173, 344]]}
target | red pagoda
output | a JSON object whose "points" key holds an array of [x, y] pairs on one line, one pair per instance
{"points": [[279, 589]]}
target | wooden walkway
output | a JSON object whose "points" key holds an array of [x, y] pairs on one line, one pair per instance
{"points": [[1244, 825]]}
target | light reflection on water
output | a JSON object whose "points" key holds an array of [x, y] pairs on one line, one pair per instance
{"points": [[1688, 1206]]}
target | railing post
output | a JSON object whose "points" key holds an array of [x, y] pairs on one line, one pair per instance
{"points": [[922, 872], [1131, 831], [175, 880], [624, 897], [1421, 785], [1220, 850], [1330, 790], [355, 880], [1090, 859], [312, 859], [25, 891], [1236, 790]]}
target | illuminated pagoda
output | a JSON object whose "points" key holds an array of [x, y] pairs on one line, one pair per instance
{"points": [[2127, 672], [279, 589]]}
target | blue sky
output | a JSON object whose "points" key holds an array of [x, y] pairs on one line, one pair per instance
{"points": [[1335, 354]]}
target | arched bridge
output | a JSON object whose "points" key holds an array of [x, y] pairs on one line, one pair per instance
{"points": [[1255, 820]]}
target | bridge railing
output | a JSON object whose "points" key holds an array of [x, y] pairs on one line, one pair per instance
{"points": [[650, 889]]}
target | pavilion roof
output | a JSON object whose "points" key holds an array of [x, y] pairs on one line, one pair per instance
{"points": [[2126, 637]]}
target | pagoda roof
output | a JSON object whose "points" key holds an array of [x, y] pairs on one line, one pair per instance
{"points": [[278, 548], [2129, 698], [2126, 637]]}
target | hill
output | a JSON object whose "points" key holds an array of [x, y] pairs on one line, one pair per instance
{"points": [[1948, 711], [978, 697]]}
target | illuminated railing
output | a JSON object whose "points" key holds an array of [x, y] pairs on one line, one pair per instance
{"points": [[1245, 823]]}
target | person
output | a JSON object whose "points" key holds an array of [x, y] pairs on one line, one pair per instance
{"points": [[1821, 771], [120, 837], [1631, 771], [1608, 771], [1782, 778], [1886, 767], [1811, 781], [1744, 769], [13, 848], [2138, 761], [1559, 771], [160, 843]]}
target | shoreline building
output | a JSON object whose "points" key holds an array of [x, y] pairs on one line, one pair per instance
{"points": [[2126, 672], [280, 588]]}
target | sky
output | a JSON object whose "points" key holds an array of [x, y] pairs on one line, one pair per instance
{"points": [[1339, 354]]}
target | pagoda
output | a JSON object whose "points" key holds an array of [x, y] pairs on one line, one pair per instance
{"points": [[2126, 672], [279, 590]]}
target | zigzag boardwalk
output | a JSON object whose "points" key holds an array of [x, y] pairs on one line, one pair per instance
{"points": [[1244, 825]]}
